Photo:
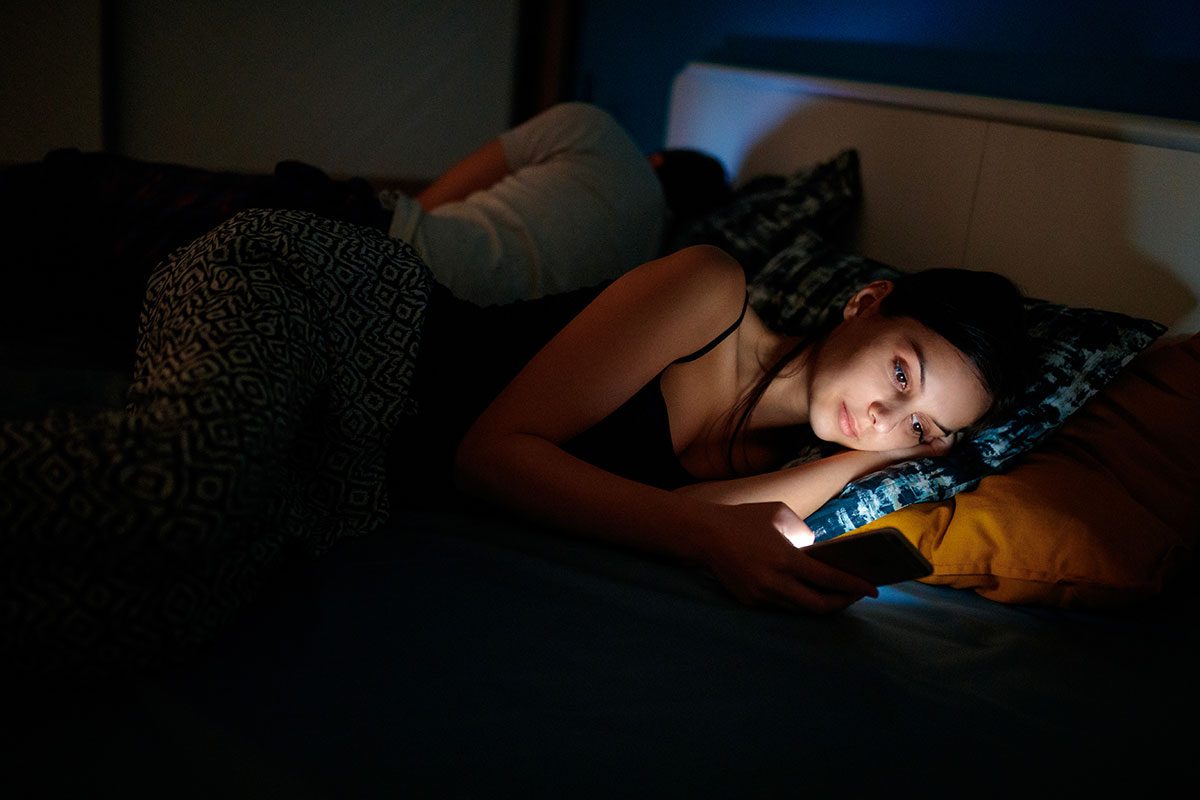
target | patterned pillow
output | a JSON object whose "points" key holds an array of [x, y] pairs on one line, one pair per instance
{"points": [[1077, 352], [767, 214], [808, 283], [1101, 516]]}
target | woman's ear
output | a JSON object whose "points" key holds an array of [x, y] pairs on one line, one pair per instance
{"points": [[866, 300]]}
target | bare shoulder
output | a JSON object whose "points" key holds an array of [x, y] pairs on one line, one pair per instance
{"points": [[703, 284], [708, 265], [638, 326]]}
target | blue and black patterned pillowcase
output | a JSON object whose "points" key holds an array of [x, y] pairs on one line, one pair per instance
{"points": [[765, 216], [808, 278]]}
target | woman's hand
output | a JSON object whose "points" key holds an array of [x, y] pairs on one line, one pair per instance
{"points": [[930, 449], [755, 550], [806, 487]]}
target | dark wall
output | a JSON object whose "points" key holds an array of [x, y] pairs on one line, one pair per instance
{"points": [[1138, 56]]}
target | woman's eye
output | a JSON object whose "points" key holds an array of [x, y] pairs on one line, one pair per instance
{"points": [[901, 378], [917, 430]]}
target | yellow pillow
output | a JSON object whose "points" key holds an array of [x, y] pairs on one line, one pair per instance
{"points": [[1103, 515]]}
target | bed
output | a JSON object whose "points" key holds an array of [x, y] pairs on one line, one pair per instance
{"points": [[459, 653]]}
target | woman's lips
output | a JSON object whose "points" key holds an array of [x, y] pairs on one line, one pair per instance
{"points": [[846, 422]]}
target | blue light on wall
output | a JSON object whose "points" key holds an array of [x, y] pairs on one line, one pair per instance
{"points": [[1138, 57]]}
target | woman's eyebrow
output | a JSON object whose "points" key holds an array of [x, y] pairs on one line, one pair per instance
{"points": [[921, 360], [916, 347]]}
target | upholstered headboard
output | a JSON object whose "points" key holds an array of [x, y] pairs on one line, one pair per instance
{"points": [[1080, 207]]}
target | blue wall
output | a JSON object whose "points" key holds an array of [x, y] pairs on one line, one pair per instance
{"points": [[1140, 56]]}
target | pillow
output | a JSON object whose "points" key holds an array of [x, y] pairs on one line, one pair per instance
{"points": [[809, 282], [768, 213], [1104, 515], [1077, 351]]}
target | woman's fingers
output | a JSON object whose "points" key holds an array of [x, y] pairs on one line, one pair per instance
{"points": [[943, 444], [762, 562], [797, 595], [798, 533], [930, 449], [830, 578], [811, 571]]}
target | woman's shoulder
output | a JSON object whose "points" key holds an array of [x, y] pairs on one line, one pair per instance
{"points": [[703, 277], [712, 261], [666, 308], [703, 287]]}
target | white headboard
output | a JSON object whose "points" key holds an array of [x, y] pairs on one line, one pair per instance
{"points": [[1081, 207]]}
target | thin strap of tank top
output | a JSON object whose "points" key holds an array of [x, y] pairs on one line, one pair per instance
{"points": [[720, 337]]}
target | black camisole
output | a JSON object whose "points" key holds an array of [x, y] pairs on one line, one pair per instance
{"points": [[635, 440], [468, 354]]}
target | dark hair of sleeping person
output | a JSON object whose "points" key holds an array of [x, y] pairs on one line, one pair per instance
{"points": [[693, 182]]}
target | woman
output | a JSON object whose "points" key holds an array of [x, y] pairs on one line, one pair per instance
{"points": [[277, 357], [882, 383]]}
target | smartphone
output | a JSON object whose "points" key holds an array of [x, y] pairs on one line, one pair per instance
{"points": [[880, 557]]}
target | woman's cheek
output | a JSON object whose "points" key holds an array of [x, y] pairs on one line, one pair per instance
{"points": [[825, 426]]}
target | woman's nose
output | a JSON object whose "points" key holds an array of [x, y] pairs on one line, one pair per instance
{"points": [[884, 416]]}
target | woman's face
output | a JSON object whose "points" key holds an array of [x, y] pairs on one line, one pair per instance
{"points": [[880, 383]]}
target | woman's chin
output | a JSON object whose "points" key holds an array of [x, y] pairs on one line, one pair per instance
{"points": [[831, 436]]}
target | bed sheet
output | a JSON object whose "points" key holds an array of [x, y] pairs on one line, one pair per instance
{"points": [[457, 654]]}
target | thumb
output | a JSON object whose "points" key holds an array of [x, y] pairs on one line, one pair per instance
{"points": [[942, 445], [798, 533]]}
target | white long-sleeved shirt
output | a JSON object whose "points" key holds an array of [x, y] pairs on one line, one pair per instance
{"points": [[581, 205]]}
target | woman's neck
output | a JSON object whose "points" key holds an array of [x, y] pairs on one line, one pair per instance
{"points": [[784, 403]]}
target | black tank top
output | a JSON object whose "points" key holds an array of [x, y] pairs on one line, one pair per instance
{"points": [[469, 353], [635, 440]]}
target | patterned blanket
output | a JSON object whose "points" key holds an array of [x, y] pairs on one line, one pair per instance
{"points": [[83, 231], [275, 354]]}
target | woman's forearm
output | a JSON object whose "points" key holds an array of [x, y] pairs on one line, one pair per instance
{"points": [[803, 488], [537, 479], [751, 548]]}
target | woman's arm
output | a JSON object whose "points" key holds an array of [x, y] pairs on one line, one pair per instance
{"points": [[633, 330], [806, 487]]}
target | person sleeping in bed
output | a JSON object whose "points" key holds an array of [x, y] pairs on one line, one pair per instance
{"points": [[562, 201], [280, 355]]}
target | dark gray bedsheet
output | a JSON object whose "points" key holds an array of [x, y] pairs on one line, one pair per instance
{"points": [[461, 656]]}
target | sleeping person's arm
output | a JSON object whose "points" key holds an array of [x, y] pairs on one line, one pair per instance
{"points": [[640, 324], [478, 171]]}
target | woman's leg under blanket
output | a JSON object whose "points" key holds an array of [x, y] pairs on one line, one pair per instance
{"points": [[275, 356]]}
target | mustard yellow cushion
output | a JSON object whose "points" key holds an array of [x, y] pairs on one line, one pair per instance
{"points": [[1103, 515]]}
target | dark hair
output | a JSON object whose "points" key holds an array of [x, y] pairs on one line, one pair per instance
{"points": [[692, 182], [982, 314]]}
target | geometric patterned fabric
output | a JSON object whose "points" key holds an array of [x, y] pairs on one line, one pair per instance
{"points": [[275, 354]]}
